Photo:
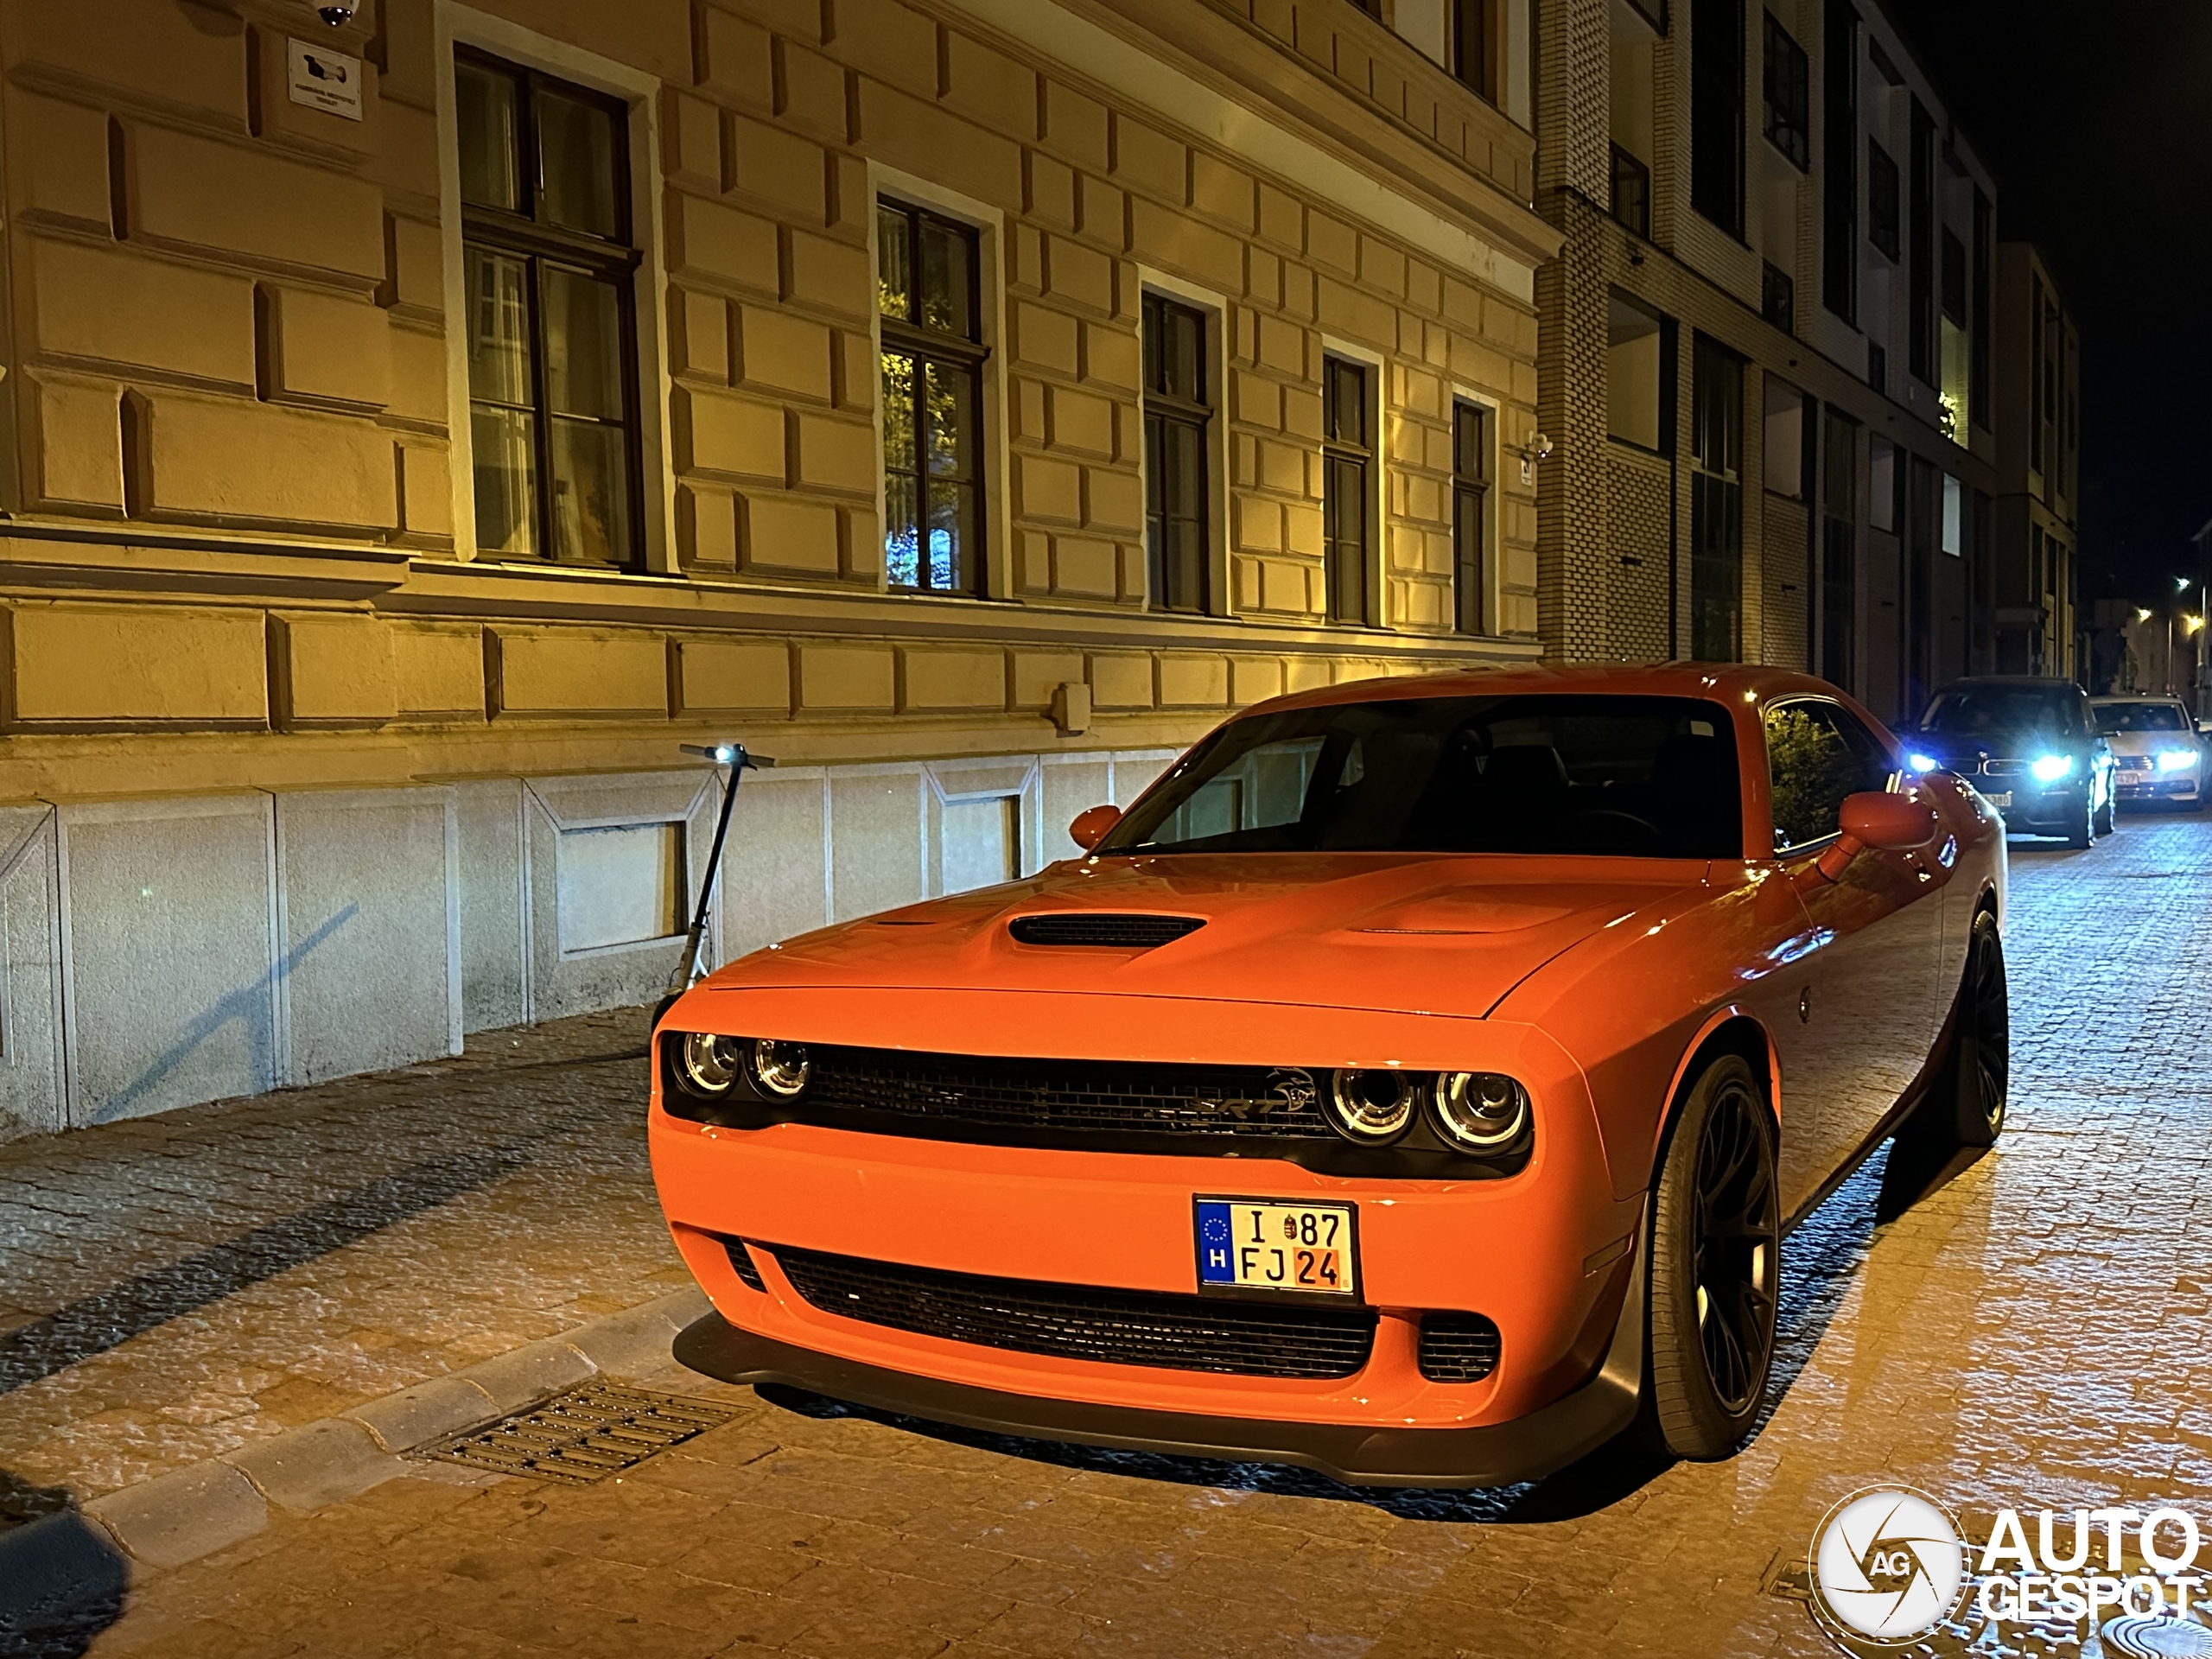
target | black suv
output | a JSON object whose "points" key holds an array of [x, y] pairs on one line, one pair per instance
{"points": [[2030, 744]]}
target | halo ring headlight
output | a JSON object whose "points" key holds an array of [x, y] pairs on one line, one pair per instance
{"points": [[1373, 1107], [1480, 1111], [710, 1064], [778, 1071]]}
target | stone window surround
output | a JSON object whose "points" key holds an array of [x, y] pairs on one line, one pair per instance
{"points": [[1218, 322], [639, 89]]}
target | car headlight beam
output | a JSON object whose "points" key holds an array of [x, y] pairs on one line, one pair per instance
{"points": [[2050, 768], [1373, 1107], [1919, 762], [1478, 1111], [2176, 759]]}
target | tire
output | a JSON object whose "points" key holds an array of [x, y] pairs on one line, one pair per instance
{"points": [[1966, 1107], [2085, 828], [1715, 1268], [2102, 824]]}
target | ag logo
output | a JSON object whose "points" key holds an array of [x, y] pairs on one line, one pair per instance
{"points": [[1888, 1565]]}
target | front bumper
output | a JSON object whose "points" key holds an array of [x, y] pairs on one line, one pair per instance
{"points": [[1549, 1255], [2146, 785], [1500, 1454]]}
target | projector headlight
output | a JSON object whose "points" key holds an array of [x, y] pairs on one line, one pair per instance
{"points": [[2050, 768], [1373, 1108], [1922, 762], [2176, 759], [709, 1065], [1480, 1111], [779, 1071]]}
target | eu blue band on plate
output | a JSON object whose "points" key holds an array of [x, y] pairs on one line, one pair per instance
{"points": [[1215, 1266]]}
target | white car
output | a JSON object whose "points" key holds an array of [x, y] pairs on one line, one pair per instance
{"points": [[2155, 740]]}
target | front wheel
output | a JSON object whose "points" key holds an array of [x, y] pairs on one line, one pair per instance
{"points": [[1715, 1267], [1971, 1104]]}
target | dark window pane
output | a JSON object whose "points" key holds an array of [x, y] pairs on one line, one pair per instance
{"points": [[949, 438], [503, 445], [1632, 192], [948, 282], [1788, 95], [1469, 451], [575, 141], [1186, 470], [902, 555], [583, 345], [951, 533], [894, 264], [591, 493], [1882, 200], [1717, 111], [489, 142], [1471, 45]]}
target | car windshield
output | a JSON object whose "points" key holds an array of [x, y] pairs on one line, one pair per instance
{"points": [[1991, 710], [1636, 776], [2113, 718]]}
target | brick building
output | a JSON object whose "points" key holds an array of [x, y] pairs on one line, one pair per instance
{"points": [[1767, 347], [417, 428]]}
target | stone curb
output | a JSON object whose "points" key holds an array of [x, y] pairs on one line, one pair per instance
{"points": [[191, 1512]]}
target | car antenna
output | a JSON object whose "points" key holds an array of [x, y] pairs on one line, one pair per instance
{"points": [[739, 760]]}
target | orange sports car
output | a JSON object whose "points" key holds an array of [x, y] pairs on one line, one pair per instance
{"points": [[1417, 1083]]}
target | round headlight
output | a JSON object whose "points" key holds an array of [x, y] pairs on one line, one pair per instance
{"points": [[1373, 1107], [1480, 1111], [710, 1062], [780, 1070]]}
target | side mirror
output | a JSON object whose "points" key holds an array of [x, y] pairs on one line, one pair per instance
{"points": [[1091, 827], [1895, 824]]}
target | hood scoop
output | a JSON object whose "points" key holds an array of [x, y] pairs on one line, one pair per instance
{"points": [[1103, 928]]}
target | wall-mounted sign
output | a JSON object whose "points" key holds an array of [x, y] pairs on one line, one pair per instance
{"points": [[323, 79]]}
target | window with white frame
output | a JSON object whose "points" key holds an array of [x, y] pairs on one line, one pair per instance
{"points": [[1178, 421], [1347, 485]]}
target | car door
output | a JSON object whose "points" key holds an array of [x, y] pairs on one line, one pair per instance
{"points": [[1877, 929]]}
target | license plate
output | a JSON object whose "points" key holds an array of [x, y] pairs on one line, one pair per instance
{"points": [[1998, 798], [1265, 1244]]}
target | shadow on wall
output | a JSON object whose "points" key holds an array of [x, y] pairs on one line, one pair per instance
{"points": [[61, 1581], [250, 1004]]}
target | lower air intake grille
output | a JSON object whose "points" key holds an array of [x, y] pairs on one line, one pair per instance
{"points": [[1095, 927], [748, 1275], [1457, 1347], [1121, 1327]]}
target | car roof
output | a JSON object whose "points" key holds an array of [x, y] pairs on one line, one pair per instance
{"points": [[1717, 682], [2139, 696], [2018, 682]]}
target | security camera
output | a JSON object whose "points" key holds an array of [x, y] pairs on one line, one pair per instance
{"points": [[1539, 447], [338, 13]]}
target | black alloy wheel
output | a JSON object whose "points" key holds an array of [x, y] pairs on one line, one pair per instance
{"points": [[1982, 1037], [1716, 1250]]}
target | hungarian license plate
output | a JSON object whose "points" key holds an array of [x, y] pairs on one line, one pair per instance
{"points": [[1998, 798], [1267, 1244]]}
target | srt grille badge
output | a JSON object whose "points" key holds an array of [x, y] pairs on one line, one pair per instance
{"points": [[1289, 1090]]}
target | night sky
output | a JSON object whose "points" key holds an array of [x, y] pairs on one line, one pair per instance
{"points": [[2097, 122]]}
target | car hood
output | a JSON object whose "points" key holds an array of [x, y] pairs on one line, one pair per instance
{"points": [[1388, 932], [2150, 742]]}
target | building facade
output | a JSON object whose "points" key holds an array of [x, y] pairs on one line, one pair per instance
{"points": [[418, 428], [2039, 626], [1766, 349]]}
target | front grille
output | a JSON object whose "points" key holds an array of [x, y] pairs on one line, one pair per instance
{"points": [[993, 1093], [1098, 928], [2003, 768], [742, 1262], [1457, 1347], [2135, 763], [1118, 1327]]}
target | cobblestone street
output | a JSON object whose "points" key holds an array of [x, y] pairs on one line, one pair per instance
{"points": [[2031, 1332]]}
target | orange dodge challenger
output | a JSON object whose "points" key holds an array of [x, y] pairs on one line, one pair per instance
{"points": [[1417, 1083]]}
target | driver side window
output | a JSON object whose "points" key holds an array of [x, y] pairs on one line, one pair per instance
{"points": [[1816, 754]]}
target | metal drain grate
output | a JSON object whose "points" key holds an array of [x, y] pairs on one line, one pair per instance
{"points": [[583, 1435]]}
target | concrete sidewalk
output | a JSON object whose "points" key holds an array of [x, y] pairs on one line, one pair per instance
{"points": [[189, 1287]]}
